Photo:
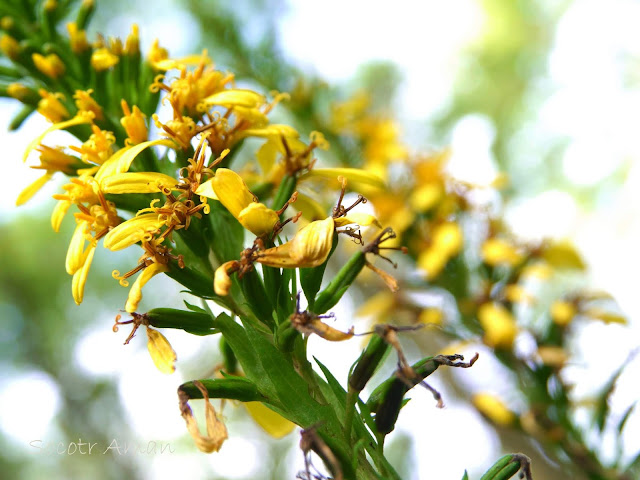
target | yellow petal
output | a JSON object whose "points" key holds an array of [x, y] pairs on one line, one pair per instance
{"points": [[310, 208], [563, 255], [328, 333], [138, 182], [562, 312], [271, 422], [233, 98], [278, 257], [362, 219], [312, 244], [82, 117], [161, 352], [206, 190], [120, 161], [354, 175], [498, 324], [231, 190], [272, 131], [75, 253], [31, 190], [258, 219], [135, 294], [132, 231], [80, 277], [221, 279], [497, 251], [604, 316], [492, 408], [378, 305], [59, 211]]}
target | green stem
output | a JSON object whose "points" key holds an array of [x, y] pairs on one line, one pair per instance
{"points": [[350, 408]]}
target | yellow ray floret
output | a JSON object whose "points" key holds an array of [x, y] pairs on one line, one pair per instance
{"points": [[132, 231], [138, 182], [163, 356], [135, 294]]}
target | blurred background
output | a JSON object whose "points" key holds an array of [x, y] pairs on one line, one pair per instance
{"points": [[546, 92]]}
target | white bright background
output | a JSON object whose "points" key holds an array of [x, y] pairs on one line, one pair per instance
{"points": [[425, 39]]}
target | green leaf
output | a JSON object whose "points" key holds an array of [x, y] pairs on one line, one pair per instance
{"points": [[339, 285], [225, 234], [465, 476]]}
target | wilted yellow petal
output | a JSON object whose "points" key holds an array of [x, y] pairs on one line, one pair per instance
{"points": [[161, 352], [31, 190], [138, 182], [216, 431], [271, 422], [312, 244], [258, 219], [328, 333], [492, 408], [135, 294], [221, 279], [132, 231], [278, 257], [80, 277]]}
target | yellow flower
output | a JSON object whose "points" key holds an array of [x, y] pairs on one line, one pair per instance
{"points": [[134, 124], [229, 188], [19, 91], [102, 59], [77, 38], [51, 65], [562, 312], [446, 243], [431, 316], [132, 44], [492, 408], [85, 103], [98, 148], [497, 251], [9, 46], [51, 108], [553, 356], [499, 325], [82, 117]]}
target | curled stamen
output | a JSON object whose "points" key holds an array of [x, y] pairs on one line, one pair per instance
{"points": [[137, 320]]}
